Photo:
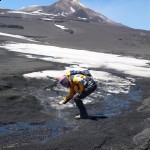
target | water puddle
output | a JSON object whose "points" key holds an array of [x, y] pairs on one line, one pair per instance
{"points": [[22, 133]]}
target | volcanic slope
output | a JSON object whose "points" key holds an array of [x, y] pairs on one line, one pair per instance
{"points": [[59, 31]]}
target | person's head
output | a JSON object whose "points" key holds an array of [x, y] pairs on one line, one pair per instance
{"points": [[63, 80]]}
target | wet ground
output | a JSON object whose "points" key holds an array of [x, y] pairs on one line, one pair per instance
{"points": [[15, 134], [100, 104]]}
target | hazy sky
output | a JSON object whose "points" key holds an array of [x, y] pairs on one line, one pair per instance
{"points": [[133, 13]]}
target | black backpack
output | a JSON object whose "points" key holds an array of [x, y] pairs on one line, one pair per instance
{"points": [[83, 72]]}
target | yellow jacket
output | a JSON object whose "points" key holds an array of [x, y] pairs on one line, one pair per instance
{"points": [[77, 85]]}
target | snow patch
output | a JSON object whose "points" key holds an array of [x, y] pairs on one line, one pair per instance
{"points": [[72, 10], [110, 21], [37, 11], [82, 18], [47, 19], [31, 56], [85, 59], [32, 13], [142, 34], [17, 36], [101, 16], [19, 12], [54, 15], [64, 14], [61, 27], [44, 74]]}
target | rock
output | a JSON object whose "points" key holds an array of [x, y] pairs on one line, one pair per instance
{"points": [[11, 26], [145, 106], [5, 87], [142, 140]]}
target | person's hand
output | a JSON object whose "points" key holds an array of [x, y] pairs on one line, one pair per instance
{"points": [[61, 102]]}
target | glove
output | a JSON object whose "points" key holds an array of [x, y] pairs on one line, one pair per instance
{"points": [[61, 102]]}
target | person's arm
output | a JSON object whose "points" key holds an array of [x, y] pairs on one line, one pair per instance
{"points": [[68, 97]]}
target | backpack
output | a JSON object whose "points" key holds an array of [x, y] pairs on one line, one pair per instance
{"points": [[83, 72]]}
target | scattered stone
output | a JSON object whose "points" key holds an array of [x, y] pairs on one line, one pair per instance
{"points": [[145, 106], [70, 31], [142, 140], [5, 87]]}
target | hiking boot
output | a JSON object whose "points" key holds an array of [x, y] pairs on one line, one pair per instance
{"points": [[81, 117]]}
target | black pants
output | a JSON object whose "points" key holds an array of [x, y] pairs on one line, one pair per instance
{"points": [[91, 87]]}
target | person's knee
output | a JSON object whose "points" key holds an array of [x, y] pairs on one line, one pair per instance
{"points": [[76, 100], [91, 89]]}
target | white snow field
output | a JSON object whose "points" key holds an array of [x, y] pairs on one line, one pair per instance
{"points": [[83, 58]]}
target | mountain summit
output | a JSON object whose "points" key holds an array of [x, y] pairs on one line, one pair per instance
{"points": [[71, 9]]}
